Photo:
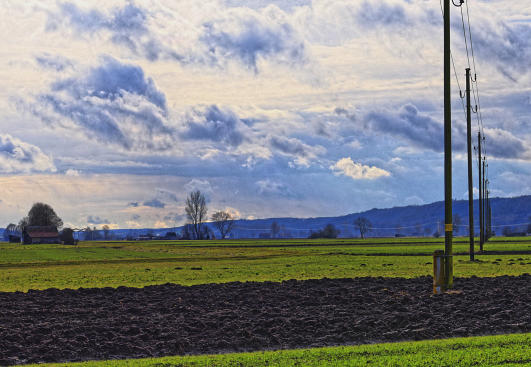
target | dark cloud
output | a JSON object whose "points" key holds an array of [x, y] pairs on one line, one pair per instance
{"points": [[154, 203], [134, 204], [379, 13], [113, 103], [408, 123], [215, 124], [290, 146], [507, 46], [54, 62], [97, 220], [503, 144], [423, 131], [249, 38], [135, 217]]}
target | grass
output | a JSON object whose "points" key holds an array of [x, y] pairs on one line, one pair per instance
{"points": [[506, 350], [137, 264]]}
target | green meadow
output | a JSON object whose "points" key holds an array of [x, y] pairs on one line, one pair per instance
{"points": [[137, 264]]}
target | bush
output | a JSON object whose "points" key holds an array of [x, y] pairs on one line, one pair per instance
{"points": [[329, 231]]}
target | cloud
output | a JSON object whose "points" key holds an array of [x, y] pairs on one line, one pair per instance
{"points": [[72, 172], [506, 46], [357, 171], [17, 156], [503, 144], [154, 203], [54, 62], [211, 37], [197, 184], [134, 204], [135, 217], [97, 220], [296, 148], [270, 187], [249, 36], [175, 218], [214, 124], [111, 103], [417, 128], [167, 194], [377, 14], [127, 26]]}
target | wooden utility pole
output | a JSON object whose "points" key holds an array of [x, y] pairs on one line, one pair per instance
{"points": [[484, 202], [480, 198], [469, 151], [448, 234]]}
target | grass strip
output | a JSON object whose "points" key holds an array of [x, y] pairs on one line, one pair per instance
{"points": [[498, 350]]}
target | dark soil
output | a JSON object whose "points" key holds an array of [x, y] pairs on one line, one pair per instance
{"points": [[75, 325]]}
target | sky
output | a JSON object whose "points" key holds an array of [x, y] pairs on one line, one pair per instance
{"points": [[113, 111]]}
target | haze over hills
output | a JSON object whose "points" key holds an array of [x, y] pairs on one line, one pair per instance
{"points": [[412, 220]]}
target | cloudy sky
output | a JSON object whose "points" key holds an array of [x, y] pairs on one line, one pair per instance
{"points": [[112, 111]]}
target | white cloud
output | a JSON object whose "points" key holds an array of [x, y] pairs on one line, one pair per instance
{"points": [[198, 184], [17, 156], [72, 172], [357, 171]]}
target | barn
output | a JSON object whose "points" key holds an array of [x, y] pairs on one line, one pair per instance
{"points": [[40, 235]]}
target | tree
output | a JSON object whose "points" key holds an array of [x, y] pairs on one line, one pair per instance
{"points": [[87, 234], [11, 232], [363, 225], [106, 230], [329, 231], [224, 222], [67, 236], [275, 229], [506, 231], [457, 222], [187, 232], [23, 223], [41, 214], [196, 210]]}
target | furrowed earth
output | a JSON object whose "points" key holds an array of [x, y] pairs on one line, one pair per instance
{"points": [[107, 323]]}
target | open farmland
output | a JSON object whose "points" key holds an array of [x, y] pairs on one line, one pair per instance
{"points": [[242, 299], [137, 264]]}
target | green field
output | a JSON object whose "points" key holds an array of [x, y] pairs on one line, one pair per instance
{"points": [[137, 264], [506, 350]]}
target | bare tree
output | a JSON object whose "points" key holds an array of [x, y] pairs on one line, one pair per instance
{"points": [[196, 210], [275, 229], [363, 225], [224, 222]]}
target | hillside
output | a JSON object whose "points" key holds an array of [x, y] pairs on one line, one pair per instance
{"points": [[412, 220]]}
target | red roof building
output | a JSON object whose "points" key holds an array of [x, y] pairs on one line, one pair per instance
{"points": [[40, 234]]}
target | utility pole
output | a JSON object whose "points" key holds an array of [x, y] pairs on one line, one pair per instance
{"points": [[448, 252], [469, 151], [484, 201], [480, 199]]}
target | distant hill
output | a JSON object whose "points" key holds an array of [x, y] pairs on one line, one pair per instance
{"points": [[412, 220]]}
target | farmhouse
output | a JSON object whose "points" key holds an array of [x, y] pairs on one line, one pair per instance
{"points": [[40, 234]]}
